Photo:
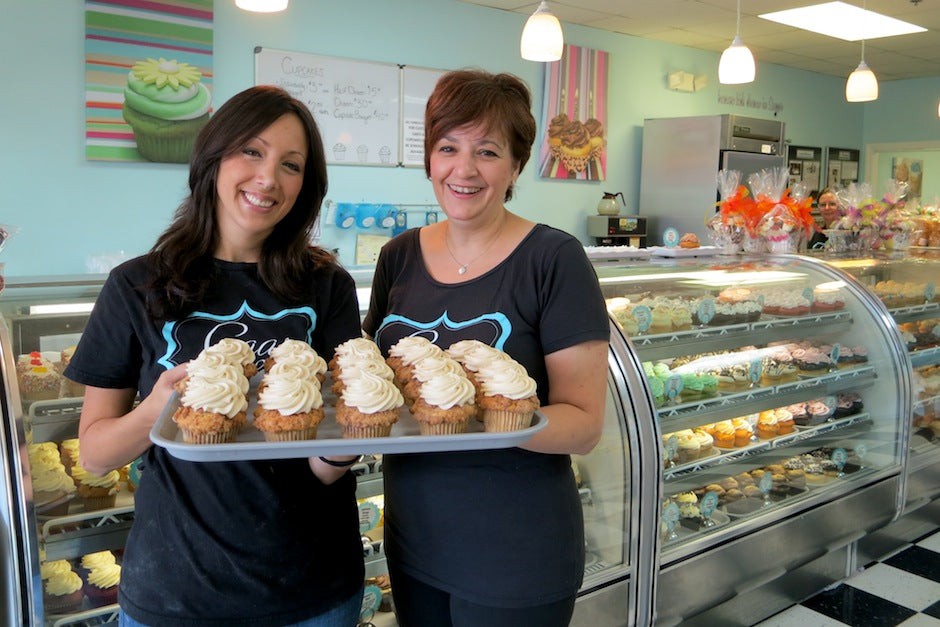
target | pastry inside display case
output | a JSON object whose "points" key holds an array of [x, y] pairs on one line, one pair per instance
{"points": [[763, 374]]}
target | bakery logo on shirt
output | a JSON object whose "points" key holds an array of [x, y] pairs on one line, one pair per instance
{"points": [[491, 329], [262, 332]]}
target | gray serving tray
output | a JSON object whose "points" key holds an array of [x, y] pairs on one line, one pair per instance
{"points": [[405, 438]]}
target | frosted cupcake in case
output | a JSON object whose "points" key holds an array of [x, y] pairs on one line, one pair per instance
{"points": [[507, 396], [368, 407], [38, 378], [101, 584], [290, 406], [444, 404], [62, 593], [166, 105], [96, 491]]}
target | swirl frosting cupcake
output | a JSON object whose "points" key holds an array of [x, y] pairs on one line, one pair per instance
{"points": [[97, 491], [357, 347], [290, 406], [166, 105], [101, 585], [298, 352], [62, 593], [445, 402], [507, 396], [368, 406], [425, 369], [235, 351], [406, 352], [213, 410]]}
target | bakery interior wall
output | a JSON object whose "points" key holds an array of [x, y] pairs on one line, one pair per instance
{"points": [[70, 210]]}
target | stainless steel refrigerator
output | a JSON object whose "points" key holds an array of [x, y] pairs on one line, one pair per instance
{"points": [[681, 159]]}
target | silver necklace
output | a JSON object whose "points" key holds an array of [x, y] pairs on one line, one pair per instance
{"points": [[462, 267]]}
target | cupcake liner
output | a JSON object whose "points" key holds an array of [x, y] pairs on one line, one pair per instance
{"points": [[99, 502], [208, 438], [98, 597], [495, 420], [309, 433], [367, 431], [443, 428], [63, 603]]}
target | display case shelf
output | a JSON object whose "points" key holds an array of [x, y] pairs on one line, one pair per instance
{"points": [[731, 405], [704, 339], [925, 356], [68, 537], [914, 313]]}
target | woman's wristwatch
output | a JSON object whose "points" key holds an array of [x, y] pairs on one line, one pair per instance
{"points": [[345, 464]]}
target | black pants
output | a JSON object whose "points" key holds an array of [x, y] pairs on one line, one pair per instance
{"points": [[420, 605]]}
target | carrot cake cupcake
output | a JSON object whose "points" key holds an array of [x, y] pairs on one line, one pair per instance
{"points": [[290, 406], [445, 403], [431, 366], [213, 410], [368, 406], [507, 396], [351, 366]]}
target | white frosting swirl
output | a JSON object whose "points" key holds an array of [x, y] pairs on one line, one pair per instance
{"points": [[214, 367], [457, 350], [221, 396], [448, 389], [411, 349], [370, 393], [480, 356], [360, 346], [98, 559], [352, 366], [308, 361], [288, 394], [506, 378], [234, 350], [434, 365]]}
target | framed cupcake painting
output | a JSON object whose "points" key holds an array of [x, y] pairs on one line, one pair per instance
{"points": [[574, 116], [148, 78]]}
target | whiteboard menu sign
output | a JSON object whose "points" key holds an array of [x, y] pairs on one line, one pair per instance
{"points": [[369, 113], [355, 103], [417, 85]]}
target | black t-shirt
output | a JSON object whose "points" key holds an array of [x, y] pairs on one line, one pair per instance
{"points": [[226, 543], [500, 527]]}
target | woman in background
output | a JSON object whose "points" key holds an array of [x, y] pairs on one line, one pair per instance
{"points": [[272, 542], [492, 537], [829, 212]]}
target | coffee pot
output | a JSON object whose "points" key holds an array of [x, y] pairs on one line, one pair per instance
{"points": [[608, 205]]}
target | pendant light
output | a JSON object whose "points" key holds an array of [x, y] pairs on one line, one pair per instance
{"points": [[862, 85], [262, 6], [736, 65], [542, 39]]}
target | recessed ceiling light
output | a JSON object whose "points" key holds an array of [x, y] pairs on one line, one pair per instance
{"points": [[844, 21]]}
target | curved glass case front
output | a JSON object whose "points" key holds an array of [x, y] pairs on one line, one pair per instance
{"points": [[907, 285], [776, 383]]}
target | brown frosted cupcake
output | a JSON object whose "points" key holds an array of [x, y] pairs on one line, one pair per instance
{"points": [[368, 406], [445, 404], [290, 406], [213, 411], [507, 396]]}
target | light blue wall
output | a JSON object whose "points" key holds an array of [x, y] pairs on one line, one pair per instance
{"points": [[68, 208]]}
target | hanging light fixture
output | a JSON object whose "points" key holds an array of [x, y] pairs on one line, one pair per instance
{"points": [[862, 86], [262, 6], [542, 39], [736, 65]]}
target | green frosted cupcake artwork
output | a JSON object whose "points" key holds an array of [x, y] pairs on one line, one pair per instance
{"points": [[166, 105]]}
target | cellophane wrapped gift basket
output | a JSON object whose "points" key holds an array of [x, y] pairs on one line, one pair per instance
{"points": [[767, 218]]}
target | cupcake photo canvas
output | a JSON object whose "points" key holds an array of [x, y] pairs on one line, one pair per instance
{"points": [[148, 79]]}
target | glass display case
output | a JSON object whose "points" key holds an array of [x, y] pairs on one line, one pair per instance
{"points": [[778, 389], [907, 285], [41, 320]]}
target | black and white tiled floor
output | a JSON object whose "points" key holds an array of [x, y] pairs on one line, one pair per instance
{"points": [[902, 589]]}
